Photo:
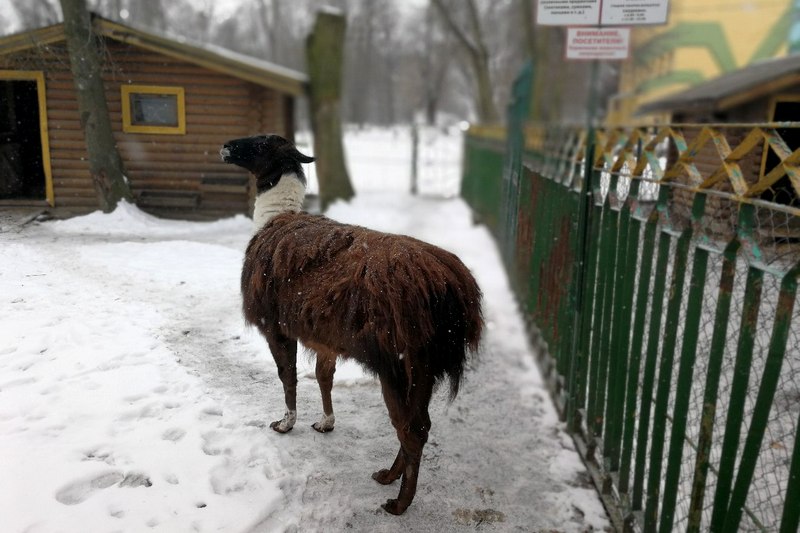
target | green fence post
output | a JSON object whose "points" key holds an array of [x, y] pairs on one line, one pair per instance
{"points": [[648, 379], [637, 346], [790, 521], [623, 300], [591, 323], [766, 393], [685, 372], [713, 374], [741, 378], [661, 407], [607, 246], [583, 282]]}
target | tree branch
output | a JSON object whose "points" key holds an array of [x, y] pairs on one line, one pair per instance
{"points": [[455, 28]]}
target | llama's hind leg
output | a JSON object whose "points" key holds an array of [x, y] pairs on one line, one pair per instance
{"points": [[326, 366], [393, 473], [392, 399], [284, 351], [412, 431]]}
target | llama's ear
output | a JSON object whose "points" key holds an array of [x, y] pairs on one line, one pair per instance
{"points": [[301, 157]]}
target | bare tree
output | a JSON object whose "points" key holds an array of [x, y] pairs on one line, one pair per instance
{"points": [[325, 49], [105, 163], [434, 66], [148, 15], [474, 46], [37, 13]]}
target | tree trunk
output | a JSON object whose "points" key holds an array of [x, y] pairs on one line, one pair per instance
{"points": [[105, 163], [474, 46], [325, 54]]}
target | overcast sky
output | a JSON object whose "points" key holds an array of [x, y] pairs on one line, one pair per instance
{"points": [[222, 8]]}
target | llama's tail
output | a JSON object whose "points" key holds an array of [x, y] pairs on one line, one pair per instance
{"points": [[459, 330]]}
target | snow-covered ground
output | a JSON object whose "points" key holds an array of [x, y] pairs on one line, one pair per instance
{"points": [[133, 398]]}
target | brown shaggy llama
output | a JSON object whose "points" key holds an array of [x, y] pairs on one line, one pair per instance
{"points": [[406, 310]]}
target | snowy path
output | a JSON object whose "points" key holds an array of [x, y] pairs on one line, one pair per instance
{"points": [[132, 397]]}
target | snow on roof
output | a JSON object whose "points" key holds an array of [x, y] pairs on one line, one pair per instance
{"points": [[207, 55]]}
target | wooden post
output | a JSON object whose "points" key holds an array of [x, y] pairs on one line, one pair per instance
{"points": [[325, 54], [105, 163]]}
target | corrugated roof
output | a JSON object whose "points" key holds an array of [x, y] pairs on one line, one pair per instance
{"points": [[206, 55], [731, 89]]}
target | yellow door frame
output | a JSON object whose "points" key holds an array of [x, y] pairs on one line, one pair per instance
{"points": [[38, 77]]}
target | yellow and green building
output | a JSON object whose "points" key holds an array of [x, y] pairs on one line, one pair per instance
{"points": [[703, 39]]}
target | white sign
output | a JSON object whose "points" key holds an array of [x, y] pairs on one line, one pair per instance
{"points": [[630, 12], [601, 12], [598, 43], [568, 12]]}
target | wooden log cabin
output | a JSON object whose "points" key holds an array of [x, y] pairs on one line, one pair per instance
{"points": [[172, 106]]}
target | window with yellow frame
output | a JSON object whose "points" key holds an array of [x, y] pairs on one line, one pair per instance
{"points": [[153, 109]]}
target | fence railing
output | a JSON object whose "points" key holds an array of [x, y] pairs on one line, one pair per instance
{"points": [[658, 270]]}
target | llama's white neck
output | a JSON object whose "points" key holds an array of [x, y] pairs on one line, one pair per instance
{"points": [[287, 195]]}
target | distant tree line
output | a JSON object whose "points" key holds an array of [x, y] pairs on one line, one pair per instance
{"points": [[403, 60]]}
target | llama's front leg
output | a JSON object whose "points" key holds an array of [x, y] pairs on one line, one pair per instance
{"points": [[284, 351], [326, 366]]}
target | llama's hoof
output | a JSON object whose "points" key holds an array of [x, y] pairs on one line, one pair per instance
{"points": [[280, 426], [384, 477], [393, 507], [320, 428], [326, 424], [285, 424]]}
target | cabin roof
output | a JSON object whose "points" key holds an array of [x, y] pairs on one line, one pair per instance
{"points": [[734, 88], [210, 56]]}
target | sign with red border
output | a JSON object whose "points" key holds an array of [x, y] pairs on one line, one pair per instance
{"points": [[598, 43]]}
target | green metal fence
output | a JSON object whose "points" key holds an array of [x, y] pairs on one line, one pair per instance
{"points": [[664, 298]]}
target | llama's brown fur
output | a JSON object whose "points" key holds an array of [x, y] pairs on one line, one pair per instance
{"points": [[406, 310]]}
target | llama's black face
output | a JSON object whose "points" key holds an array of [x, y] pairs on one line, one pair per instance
{"points": [[268, 157]]}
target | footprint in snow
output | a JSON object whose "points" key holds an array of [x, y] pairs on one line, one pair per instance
{"points": [[174, 434], [79, 491]]}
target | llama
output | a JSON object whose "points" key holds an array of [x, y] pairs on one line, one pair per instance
{"points": [[407, 311]]}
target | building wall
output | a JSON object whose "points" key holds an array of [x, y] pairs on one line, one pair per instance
{"points": [[169, 174], [702, 40]]}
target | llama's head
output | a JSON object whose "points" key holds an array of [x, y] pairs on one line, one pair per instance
{"points": [[276, 164], [268, 157]]}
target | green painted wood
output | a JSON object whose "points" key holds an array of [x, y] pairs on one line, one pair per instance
{"points": [[684, 390], [589, 341], [648, 379], [617, 358], [661, 405], [741, 377], [790, 520], [599, 356], [608, 243], [688, 356], [637, 346], [713, 373], [766, 394]]}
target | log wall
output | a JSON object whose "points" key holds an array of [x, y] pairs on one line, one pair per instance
{"points": [[171, 175]]}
